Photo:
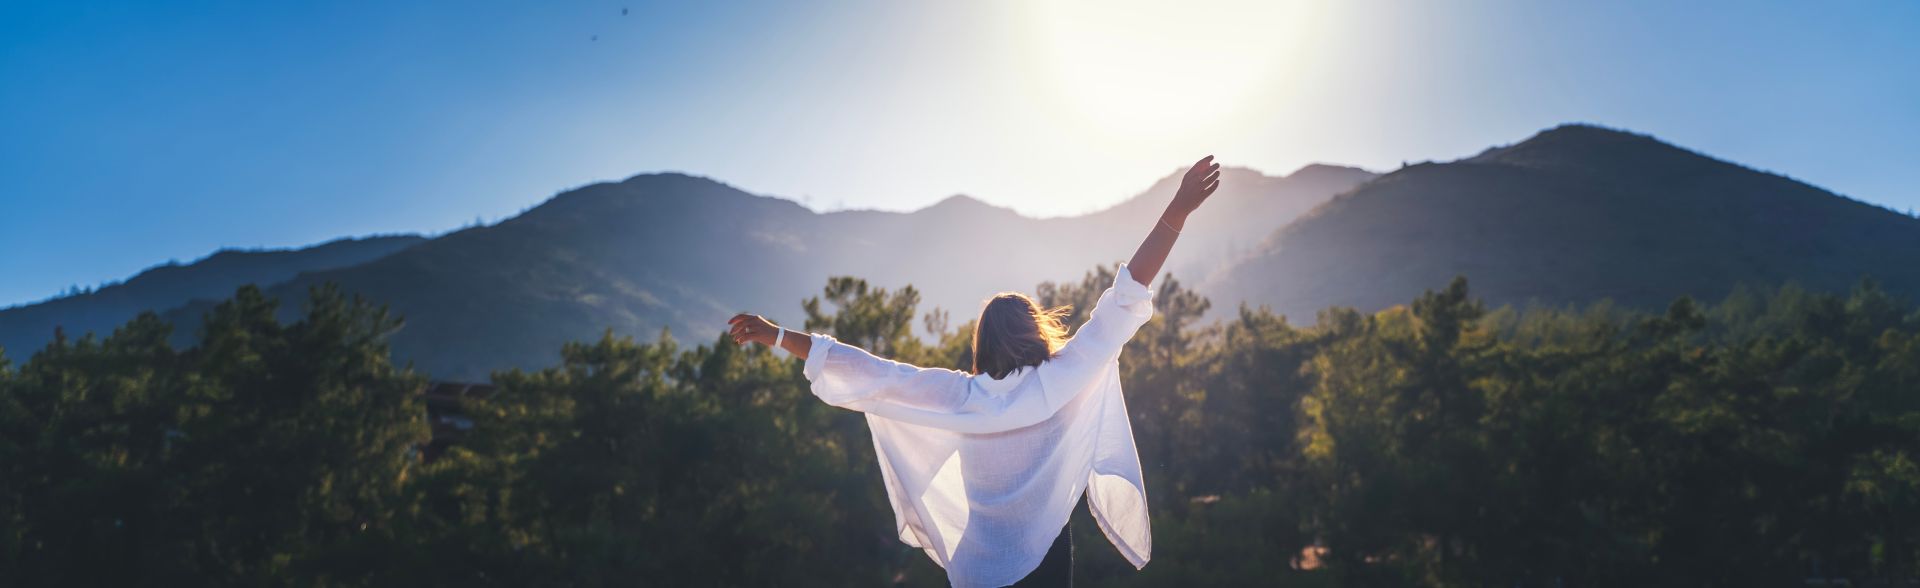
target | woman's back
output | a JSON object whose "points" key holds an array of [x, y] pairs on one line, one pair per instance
{"points": [[983, 469], [983, 472]]}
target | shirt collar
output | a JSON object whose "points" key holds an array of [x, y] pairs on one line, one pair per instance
{"points": [[1003, 385]]}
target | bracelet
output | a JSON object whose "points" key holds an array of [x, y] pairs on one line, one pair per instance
{"points": [[1163, 220], [782, 334]]}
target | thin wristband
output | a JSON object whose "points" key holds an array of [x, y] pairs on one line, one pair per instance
{"points": [[781, 334], [1163, 220]]}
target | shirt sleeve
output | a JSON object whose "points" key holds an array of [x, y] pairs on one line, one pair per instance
{"points": [[849, 377], [1120, 312]]}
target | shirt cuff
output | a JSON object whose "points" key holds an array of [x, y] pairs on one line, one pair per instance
{"points": [[1126, 291], [817, 356]]}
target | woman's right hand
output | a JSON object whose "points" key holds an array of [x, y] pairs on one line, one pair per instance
{"points": [[751, 327], [1199, 183], [754, 328]]}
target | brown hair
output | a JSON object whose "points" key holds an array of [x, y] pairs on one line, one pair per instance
{"points": [[1015, 332]]}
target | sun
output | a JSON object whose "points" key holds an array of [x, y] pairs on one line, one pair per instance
{"points": [[1164, 68]]}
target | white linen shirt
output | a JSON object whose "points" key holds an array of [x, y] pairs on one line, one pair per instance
{"points": [[984, 473]]}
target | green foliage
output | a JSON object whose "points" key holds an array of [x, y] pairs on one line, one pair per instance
{"points": [[1769, 438], [881, 321], [868, 318], [1677, 449], [263, 453], [635, 461]]}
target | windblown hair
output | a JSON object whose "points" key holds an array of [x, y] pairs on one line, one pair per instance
{"points": [[1015, 332]]}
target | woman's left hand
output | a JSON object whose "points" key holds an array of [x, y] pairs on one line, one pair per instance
{"points": [[752, 327], [1199, 182]]}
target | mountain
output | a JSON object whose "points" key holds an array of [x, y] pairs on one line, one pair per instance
{"points": [[28, 327], [1574, 214], [684, 252], [1238, 218]]}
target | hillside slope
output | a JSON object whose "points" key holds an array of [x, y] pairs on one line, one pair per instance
{"points": [[684, 252], [1574, 214], [28, 327]]}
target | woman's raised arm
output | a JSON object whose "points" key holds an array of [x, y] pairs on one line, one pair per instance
{"points": [[1199, 183], [1128, 304]]}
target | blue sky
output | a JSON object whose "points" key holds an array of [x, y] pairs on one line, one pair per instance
{"points": [[138, 132]]}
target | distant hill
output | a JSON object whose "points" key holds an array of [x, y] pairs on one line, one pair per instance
{"points": [[1574, 214], [684, 252], [25, 328]]}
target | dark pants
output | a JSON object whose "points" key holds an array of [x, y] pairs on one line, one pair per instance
{"points": [[1057, 568]]}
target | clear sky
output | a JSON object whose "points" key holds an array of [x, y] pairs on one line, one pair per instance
{"points": [[132, 133]]}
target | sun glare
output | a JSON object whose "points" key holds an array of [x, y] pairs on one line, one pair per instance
{"points": [[1165, 69]]}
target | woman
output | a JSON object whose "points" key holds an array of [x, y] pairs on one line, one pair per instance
{"points": [[984, 468]]}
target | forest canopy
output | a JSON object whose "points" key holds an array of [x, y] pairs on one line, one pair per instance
{"points": [[1765, 439]]}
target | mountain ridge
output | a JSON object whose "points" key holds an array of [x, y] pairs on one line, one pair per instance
{"points": [[1574, 214], [1570, 215], [172, 284], [684, 252]]}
